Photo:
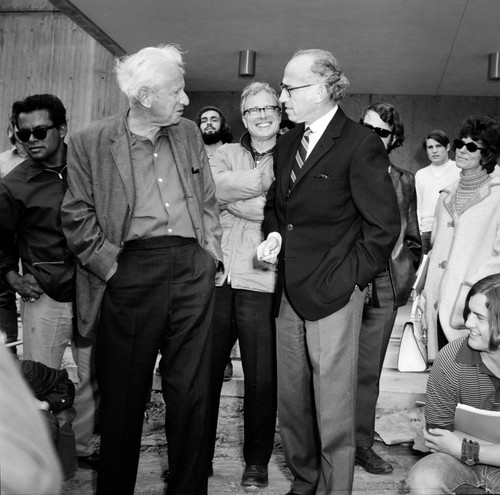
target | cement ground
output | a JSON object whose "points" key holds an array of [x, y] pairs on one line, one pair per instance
{"points": [[228, 462]]}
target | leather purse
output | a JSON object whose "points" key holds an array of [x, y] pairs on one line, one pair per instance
{"points": [[412, 355]]}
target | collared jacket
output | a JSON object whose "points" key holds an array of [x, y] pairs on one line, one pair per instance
{"points": [[465, 249], [30, 203], [338, 223], [241, 185], [98, 206], [406, 254]]}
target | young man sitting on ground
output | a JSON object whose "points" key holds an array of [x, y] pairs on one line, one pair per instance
{"points": [[466, 371]]}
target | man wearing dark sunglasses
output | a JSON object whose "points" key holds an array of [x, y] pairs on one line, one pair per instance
{"points": [[30, 204]]}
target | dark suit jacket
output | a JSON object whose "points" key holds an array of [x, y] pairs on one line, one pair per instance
{"points": [[98, 205], [339, 222]]}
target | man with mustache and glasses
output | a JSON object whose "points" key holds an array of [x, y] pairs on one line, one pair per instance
{"points": [[30, 203]]}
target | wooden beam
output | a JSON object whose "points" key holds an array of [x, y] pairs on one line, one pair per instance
{"points": [[79, 18]]}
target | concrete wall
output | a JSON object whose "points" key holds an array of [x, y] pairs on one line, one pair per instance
{"points": [[421, 114], [44, 51]]}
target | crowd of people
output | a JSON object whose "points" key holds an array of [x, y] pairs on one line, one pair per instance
{"points": [[151, 234]]}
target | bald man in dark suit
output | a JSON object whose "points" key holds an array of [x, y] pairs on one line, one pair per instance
{"points": [[332, 219]]}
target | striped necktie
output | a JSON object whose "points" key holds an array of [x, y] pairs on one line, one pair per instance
{"points": [[300, 157]]}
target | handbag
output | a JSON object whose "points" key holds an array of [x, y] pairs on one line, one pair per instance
{"points": [[412, 355]]}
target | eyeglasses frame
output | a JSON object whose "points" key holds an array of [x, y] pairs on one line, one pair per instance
{"points": [[276, 108], [31, 132], [455, 141], [288, 89], [377, 130]]}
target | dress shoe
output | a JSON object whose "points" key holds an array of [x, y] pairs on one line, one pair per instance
{"points": [[371, 462], [255, 475], [166, 474], [228, 371], [89, 461]]}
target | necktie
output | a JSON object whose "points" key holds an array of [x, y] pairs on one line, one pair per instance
{"points": [[300, 157]]}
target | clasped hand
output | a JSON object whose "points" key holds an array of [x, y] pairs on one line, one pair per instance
{"points": [[268, 250], [440, 440]]}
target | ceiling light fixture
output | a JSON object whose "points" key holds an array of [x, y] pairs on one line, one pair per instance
{"points": [[494, 66], [247, 63]]}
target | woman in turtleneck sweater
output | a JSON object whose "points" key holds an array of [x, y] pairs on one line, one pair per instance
{"points": [[466, 232]]}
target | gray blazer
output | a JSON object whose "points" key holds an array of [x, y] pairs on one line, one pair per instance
{"points": [[98, 205]]}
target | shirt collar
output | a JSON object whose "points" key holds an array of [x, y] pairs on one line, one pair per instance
{"points": [[132, 138], [444, 165], [467, 355], [36, 168], [319, 125]]}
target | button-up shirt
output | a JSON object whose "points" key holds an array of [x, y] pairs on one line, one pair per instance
{"points": [[160, 207]]}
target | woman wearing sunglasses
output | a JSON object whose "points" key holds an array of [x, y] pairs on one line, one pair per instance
{"points": [[466, 233], [389, 290]]}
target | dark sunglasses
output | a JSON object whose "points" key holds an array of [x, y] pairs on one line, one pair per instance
{"points": [[39, 133], [381, 132], [471, 147]]}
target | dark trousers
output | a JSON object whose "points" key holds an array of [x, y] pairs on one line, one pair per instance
{"points": [[8, 314], [376, 328], [254, 327], [160, 299]]}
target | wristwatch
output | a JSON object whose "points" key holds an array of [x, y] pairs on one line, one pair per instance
{"points": [[470, 452]]}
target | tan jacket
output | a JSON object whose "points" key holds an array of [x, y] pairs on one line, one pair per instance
{"points": [[465, 248], [241, 186]]}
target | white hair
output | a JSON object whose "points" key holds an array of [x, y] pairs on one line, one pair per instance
{"points": [[145, 69]]}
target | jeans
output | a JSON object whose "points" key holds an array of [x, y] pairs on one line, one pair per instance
{"points": [[442, 473], [47, 330], [87, 393], [252, 313]]}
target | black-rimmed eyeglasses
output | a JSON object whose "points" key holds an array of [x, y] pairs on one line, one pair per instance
{"points": [[39, 133], [471, 147], [255, 111], [383, 133], [288, 89]]}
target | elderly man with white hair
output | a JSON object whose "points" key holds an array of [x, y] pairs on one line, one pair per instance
{"points": [[142, 218]]}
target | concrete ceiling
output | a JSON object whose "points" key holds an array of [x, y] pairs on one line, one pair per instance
{"points": [[411, 47]]}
